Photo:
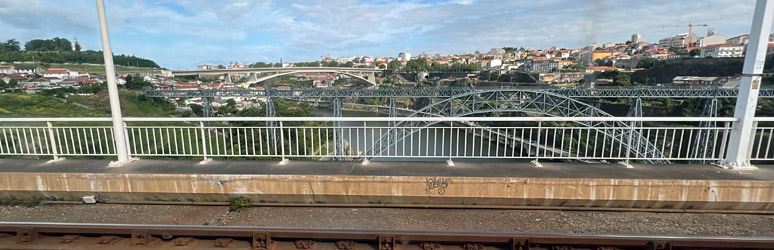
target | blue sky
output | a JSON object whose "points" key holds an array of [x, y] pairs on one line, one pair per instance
{"points": [[180, 34]]}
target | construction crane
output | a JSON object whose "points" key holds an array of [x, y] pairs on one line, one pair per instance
{"points": [[690, 30]]}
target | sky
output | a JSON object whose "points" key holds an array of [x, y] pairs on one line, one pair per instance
{"points": [[181, 34]]}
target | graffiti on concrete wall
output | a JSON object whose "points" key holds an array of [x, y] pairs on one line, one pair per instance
{"points": [[437, 185]]}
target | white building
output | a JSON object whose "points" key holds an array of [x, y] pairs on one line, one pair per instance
{"points": [[722, 50], [58, 73], [743, 39], [7, 70], [402, 56], [345, 59], [636, 38], [206, 67], [497, 51], [679, 41], [712, 40], [494, 63]]}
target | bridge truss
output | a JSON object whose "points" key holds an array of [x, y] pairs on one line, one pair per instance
{"points": [[493, 100], [523, 101]]}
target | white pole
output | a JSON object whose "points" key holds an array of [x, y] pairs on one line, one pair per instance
{"points": [[742, 131], [115, 105]]}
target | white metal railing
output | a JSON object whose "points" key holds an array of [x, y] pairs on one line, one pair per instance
{"points": [[538, 138], [763, 138]]}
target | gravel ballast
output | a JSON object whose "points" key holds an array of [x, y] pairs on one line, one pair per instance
{"points": [[707, 224]]}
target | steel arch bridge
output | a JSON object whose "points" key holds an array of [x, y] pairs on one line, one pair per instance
{"points": [[578, 92], [525, 101]]}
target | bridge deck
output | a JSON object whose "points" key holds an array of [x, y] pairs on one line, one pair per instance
{"points": [[396, 183], [376, 168]]}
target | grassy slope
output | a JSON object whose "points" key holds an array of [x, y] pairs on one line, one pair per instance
{"points": [[133, 104], [93, 68]]}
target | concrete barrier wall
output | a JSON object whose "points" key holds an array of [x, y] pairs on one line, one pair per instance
{"points": [[570, 192]]}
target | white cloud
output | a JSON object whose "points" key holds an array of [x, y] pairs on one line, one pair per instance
{"points": [[179, 33]]}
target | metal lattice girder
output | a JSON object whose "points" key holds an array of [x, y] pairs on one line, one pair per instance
{"points": [[532, 102], [635, 110], [449, 92], [339, 148], [271, 124], [207, 110], [704, 142]]}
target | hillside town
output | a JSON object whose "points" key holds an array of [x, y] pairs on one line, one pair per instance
{"points": [[545, 66]]}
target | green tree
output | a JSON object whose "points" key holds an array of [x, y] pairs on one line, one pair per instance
{"points": [[619, 78], [600, 62], [136, 82], [647, 63], [13, 83], [78, 47], [674, 49], [694, 52], [228, 109], [197, 109], [10, 46], [3, 84], [381, 66], [394, 65]]}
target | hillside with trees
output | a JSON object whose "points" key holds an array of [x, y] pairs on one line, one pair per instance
{"points": [[60, 50]]}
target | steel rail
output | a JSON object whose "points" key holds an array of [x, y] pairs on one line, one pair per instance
{"points": [[28, 234]]}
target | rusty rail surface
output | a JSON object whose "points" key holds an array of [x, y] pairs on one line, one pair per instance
{"points": [[23, 235]]}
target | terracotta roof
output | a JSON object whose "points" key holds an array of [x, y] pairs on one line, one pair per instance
{"points": [[55, 71]]}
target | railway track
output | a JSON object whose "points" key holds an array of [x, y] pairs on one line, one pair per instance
{"points": [[22, 235]]}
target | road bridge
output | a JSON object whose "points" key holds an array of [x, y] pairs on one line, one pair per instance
{"points": [[365, 74]]}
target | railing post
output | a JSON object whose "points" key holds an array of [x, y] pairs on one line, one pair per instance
{"points": [[284, 160], [722, 152], [365, 143], [629, 146], [752, 141], [537, 146], [449, 162], [747, 101], [204, 144], [52, 140], [126, 135]]}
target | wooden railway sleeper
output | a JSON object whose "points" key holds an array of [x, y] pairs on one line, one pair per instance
{"points": [[223, 242], [26, 235], [346, 245], [430, 246], [184, 241], [304, 244], [141, 238], [70, 238], [108, 239]]}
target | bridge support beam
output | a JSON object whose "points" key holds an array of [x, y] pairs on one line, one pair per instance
{"points": [[338, 132], [743, 131], [703, 144], [272, 141], [635, 110], [207, 109], [228, 78], [119, 129]]}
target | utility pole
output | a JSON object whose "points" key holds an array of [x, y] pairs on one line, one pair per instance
{"points": [[119, 134], [742, 131]]}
